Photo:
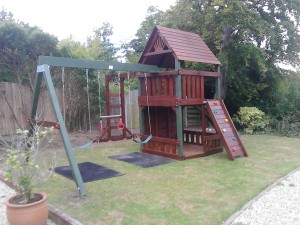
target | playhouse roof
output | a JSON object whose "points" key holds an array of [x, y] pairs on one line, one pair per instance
{"points": [[166, 44]]}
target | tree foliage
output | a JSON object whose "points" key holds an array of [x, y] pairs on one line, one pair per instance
{"points": [[20, 46], [135, 47]]}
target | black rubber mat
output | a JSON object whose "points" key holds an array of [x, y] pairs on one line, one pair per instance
{"points": [[142, 159], [89, 172]]}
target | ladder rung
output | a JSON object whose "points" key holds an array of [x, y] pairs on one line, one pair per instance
{"points": [[114, 106], [111, 116], [114, 95]]}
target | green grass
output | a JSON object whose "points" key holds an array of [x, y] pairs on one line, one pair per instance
{"points": [[198, 191]]}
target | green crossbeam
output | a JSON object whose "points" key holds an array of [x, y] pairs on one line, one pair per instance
{"points": [[98, 65]]}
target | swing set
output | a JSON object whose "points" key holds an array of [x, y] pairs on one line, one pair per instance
{"points": [[43, 72]]}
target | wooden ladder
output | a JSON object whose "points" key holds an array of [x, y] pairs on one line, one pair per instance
{"points": [[226, 129]]}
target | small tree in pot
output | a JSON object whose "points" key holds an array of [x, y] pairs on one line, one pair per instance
{"points": [[29, 165]]}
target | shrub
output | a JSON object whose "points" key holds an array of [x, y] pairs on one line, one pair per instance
{"points": [[251, 119], [27, 165]]}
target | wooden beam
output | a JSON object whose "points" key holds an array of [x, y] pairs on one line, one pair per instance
{"points": [[98, 65], [211, 137], [158, 52], [193, 101], [181, 72], [199, 73], [161, 140], [171, 101], [43, 123], [159, 73]]}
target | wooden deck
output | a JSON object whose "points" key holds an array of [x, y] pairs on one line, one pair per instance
{"points": [[193, 151]]}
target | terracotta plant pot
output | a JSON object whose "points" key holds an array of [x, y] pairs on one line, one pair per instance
{"points": [[35, 213]]}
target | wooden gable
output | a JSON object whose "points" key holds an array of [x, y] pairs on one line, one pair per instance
{"points": [[166, 44]]}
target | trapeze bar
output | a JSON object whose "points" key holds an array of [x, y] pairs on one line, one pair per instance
{"points": [[110, 116]]}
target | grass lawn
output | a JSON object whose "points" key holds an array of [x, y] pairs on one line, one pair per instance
{"points": [[197, 191]]}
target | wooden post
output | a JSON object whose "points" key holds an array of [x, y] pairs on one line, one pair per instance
{"points": [[179, 110], [218, 85], [203, 126]]}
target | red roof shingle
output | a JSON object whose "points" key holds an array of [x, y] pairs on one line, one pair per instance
{"points": [[181, 45]]}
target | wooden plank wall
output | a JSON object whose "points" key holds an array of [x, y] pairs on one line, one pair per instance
{"points": [[192, 86], [163, 122], [159, 86], [20, 100], [132, 110]]}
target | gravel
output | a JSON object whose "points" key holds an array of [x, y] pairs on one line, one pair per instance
{"points": [[5, 191], [278, 204]]}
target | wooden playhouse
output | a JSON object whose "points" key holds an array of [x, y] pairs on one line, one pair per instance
{"points": [[173, 106]]}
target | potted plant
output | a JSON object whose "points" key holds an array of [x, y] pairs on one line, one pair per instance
{"points": [[28, 166]]}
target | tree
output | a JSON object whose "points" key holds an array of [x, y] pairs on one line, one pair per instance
{"points": [[20, 46], [73, 49], [6, 16], [100, 46], [135, 47]]}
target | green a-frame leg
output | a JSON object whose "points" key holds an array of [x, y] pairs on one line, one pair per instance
{"points": [[44, 72]]}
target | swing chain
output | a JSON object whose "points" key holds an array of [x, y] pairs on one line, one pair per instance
{"points": [[88, 98], [63, 92]]}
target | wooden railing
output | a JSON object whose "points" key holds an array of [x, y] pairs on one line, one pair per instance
{"points": [[158, 85], [209, 142], [160, 89], [192, 87], [192, 137], [161, 146]]}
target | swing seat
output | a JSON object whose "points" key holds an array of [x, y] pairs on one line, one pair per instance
{"points": [[86, 145], [142, 142], [147, 139]]}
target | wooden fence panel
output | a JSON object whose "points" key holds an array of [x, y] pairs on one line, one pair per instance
{"points": [[15, 101], [132, 110]]}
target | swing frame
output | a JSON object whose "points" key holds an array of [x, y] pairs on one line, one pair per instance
{"points": [[43, 72]]}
